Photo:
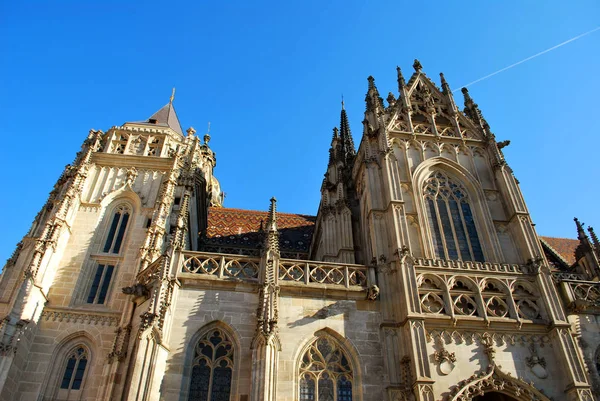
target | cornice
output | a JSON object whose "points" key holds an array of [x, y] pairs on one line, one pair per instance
{"points": [[81, 316], [139, 162]]}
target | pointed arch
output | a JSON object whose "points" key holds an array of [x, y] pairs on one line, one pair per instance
{"points": [[212, 356], [481, 217], [73, 360], [495, 380], [327, 365]]}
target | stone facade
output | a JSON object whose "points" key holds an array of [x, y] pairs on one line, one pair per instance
{"points": [[420, 278]]}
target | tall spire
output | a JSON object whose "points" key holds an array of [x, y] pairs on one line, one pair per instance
{"points": [[346, 136], [272, 219]]}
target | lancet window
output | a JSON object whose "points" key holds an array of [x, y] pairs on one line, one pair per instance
{"points": [[212, 368], [450, 220], [74, 370], [116, 231], [325, 372]]}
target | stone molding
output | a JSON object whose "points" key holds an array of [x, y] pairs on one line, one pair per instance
{"points": [[95, 318]]}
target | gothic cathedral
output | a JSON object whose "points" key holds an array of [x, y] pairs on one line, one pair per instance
{"points": [[421, 276]]}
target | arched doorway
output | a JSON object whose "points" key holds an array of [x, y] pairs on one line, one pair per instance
{"points": [[493, 396]]}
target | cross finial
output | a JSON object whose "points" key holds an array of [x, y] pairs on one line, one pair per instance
{"points": [[208, 131], [172, 96]]}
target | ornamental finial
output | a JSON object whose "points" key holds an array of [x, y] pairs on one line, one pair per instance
{"points": [[172, 96], [417, 66]]}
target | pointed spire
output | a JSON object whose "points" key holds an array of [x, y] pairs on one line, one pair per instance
{"points": [[580, 233], [417, 66], [401, 81], [371, 82], [272, 219], [446, 91], [594, 240], [472, 111], [346, 137], [335, 133], [166, 117]]}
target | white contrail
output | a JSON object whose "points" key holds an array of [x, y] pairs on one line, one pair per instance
{"points": [[529, 58]]}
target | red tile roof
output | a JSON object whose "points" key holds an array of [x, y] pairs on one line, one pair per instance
{"points": [[241, 229], [565, 247]]}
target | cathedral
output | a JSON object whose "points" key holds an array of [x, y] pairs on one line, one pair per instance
{"points": [[420, 278]]}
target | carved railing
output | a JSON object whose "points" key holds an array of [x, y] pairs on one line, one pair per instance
{"points": [[582, 296], [290, 271], [560, 276], [221, 265], [470, 266], [309, 272], [151, 272]]}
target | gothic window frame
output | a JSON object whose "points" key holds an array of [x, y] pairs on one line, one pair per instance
{"points": [[51, 386], [348, 351], [190, 357], [482, 219], [92, 289]]}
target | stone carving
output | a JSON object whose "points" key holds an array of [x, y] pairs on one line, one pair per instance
{"points": [[372, 293], [536, 364], [443, 358], [77, 317]]}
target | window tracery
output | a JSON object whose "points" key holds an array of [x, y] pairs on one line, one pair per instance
{"points": [[451, 220], [526, 301], [212, 368], [325, 372], [463, 298], [495, 300], [119, 145], [431, 294], [74, 370]]}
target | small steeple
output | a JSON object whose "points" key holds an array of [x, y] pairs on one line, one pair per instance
{"points": [[401, 80], [594, 240], [447, 92], [580, 232], [373, 99], [472, 111], [166, 117], [346, 137], [272, 219]]}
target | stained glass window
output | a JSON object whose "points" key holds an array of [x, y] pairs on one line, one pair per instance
{"points": [[450, 219], [75, 369], [212, 368], [116, 231], [325, 374]]}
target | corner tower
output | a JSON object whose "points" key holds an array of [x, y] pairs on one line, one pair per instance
{"points": [[133, 195]]}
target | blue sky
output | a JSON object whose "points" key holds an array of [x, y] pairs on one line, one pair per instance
{"points": [[269, 77]]}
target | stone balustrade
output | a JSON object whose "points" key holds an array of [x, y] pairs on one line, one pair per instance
{"points": [[291, 272]]}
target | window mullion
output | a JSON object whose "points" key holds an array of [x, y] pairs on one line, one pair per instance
{"points": [[454, 236], [114, 239], [442, 236], [73, 375], [100, 283], [464, 223]]}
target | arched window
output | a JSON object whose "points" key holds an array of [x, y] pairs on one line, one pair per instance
{"points": [[74, 369], [451, 220], [212, 368], [116, 231], [325, 373]]}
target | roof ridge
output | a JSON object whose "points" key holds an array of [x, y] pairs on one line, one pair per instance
{"points": [[259, 211], [554, 251], [570, 239]]}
